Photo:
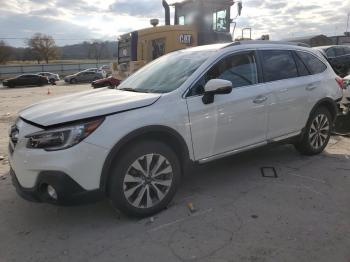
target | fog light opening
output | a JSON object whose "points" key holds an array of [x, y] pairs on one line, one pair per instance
{"points": [[52, 192]]}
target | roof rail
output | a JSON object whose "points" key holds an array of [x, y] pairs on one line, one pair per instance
{"points": [[266, 42]]}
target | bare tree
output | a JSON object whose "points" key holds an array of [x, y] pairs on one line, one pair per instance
{"points": [[96, 50], [5, 52], [44, 47]]}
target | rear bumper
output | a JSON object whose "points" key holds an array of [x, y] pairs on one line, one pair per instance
{"points": [[68, 191]]}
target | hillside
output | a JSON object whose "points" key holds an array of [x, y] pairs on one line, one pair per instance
{"points": [[86, 50]]}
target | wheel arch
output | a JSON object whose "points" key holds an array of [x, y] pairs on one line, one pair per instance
{"points": [[161, 133], [328, 103]]}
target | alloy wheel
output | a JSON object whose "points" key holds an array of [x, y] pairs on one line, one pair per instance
{"points": [[148, 180], [319, 131]]}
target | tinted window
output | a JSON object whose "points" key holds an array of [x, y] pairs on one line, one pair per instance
{"points": [[339, 51], [302, 69], [314, 65], [330, 52], [278, 65], [28, 76], [347, 50], [240, 69]]}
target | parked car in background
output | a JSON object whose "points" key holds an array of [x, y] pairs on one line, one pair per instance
{"points": [[83, 77], [109, 81], [339, 57], [96, 70], [26, 80], [91, 70], [53, 78], [219, 100], [106, 68], [346, 96]]}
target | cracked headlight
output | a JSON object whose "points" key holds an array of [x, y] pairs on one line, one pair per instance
{"points": [[62, 137]]}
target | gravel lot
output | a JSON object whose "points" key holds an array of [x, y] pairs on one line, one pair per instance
{"points": [[302, 215]]}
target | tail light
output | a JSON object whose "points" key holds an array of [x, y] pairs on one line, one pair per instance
{"points": [[340, 82]]}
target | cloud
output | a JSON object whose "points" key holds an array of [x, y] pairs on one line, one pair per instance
{"points": [[105, 19], [26, 25], [137, 7]]}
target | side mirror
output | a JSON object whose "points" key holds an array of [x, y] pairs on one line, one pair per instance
{"points": [[216, 87]]}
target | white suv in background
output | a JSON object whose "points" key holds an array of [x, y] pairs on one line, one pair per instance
{"points": [[132, 144]]}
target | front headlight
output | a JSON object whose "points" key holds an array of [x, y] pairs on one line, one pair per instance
{"points": [[63, 137]]}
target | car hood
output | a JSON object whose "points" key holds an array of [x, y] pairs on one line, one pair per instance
{"points": [[85, 105]]}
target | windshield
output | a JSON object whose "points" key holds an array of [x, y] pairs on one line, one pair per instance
{"points": [[167, 73]]}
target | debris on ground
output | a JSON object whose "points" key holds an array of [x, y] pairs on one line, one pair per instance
{"points": [[191, 207], [25, 233], [2, 158], [151, 220], [269, 172], [254, 216]]}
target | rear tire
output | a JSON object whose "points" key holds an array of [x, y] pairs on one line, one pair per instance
{"points": [[317, 133], [144, 178]]}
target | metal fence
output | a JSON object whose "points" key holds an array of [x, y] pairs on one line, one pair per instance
{"points": [[61, 69]]}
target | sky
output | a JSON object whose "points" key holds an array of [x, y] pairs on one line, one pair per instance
{"points": [[73, 21]]}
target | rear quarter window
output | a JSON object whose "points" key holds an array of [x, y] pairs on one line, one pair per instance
{"points": [[339, 51], [330, 52], [278, 65], [315, 65], [347, 50]]}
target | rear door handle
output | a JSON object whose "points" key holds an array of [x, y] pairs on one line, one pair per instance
{"points": [[260, 99], [311, 87]]}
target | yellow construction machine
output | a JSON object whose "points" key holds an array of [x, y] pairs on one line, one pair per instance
{"points": [[196, 22]]}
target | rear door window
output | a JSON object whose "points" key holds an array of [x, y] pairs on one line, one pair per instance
{"points": [[278, 65], [314, 64]]}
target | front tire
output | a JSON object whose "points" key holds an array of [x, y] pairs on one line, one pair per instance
{"points": [[73, 81], [144, 179], [317, 133]]}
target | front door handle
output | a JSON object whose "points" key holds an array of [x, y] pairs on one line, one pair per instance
{"points": [[311, 87], [260, 99]]}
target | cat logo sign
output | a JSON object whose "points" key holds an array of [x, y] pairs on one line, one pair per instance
{"points": [[186, 39]]}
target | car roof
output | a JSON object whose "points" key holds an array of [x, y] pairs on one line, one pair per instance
{"points": [[28, 75], [330, 46], [250, 43]]}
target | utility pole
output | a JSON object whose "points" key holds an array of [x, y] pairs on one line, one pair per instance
{"points": [[347, 24]]}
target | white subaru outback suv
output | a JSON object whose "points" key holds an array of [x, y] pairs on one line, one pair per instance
{"points": [[132, 144]]}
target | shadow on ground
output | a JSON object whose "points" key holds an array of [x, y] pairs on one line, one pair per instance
{"points": [[302, 215]]}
